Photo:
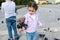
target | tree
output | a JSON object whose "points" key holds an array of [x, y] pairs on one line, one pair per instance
{"points": [[19, 2], [22, 2], [1, 2]]}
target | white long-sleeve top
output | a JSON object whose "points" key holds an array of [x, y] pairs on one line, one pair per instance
{"points": [[32, 21], [8, 8]]}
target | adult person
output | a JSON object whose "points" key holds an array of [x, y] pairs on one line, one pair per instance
{"points": [[8, 8]]}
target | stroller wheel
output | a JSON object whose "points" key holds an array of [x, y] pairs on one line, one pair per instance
{"points": [[56, 39], [45, 38], [42, 35]]}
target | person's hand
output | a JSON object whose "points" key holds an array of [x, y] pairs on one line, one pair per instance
{"points": [[20, 30]]}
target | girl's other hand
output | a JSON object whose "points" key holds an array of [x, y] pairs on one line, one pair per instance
{"points": [[20, 30]]}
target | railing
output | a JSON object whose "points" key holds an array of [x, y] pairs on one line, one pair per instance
{"points": [[0, 7], [18, 7]]}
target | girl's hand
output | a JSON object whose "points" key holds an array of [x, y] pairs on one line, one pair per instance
{"points": [[20, 30]]}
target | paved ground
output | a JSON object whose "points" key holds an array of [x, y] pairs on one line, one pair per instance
{"points": [[48, 15]]}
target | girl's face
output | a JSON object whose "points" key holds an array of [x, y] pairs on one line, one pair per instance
{"points": [[31, 10]]}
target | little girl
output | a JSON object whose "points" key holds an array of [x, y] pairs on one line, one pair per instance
{"points": [[31, 19]]}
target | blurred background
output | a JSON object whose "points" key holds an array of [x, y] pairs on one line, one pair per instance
{"points": [[25, 2], [49, 15]]}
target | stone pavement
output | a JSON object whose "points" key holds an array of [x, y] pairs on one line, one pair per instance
{"points": [[48, 15]]}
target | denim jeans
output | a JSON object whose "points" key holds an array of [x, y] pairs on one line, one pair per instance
{"points": [[31, 36], [11, 24]]}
